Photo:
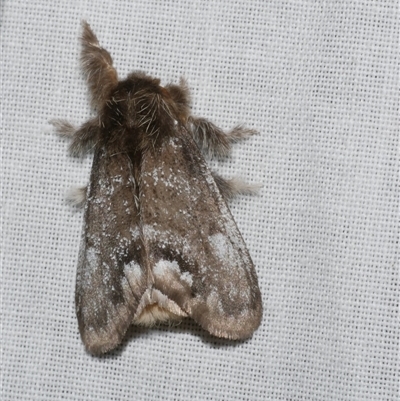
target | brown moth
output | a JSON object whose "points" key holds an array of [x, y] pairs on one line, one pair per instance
{"points": [[159, 241]]}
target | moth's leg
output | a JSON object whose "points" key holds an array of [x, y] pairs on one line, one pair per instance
{"points": [[77, 196], [98, 67], [234, 186], [83, 138], [179, 93], [239, 132], [64, 128], [181, 98], [213, 139]]}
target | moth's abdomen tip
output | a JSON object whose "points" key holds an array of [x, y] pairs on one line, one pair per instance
{"points": [[154, 314]]}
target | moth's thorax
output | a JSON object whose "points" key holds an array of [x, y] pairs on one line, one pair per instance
{"points": [[142, 107]]}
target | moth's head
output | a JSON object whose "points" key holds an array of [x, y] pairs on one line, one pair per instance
{"points": [[147, 91], [140, 109], [139, 81]]}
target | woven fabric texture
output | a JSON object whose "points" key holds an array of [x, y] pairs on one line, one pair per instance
{"points": [[319, 81]]}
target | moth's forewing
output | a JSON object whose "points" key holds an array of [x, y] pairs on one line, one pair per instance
{"points": [[197, 254]]}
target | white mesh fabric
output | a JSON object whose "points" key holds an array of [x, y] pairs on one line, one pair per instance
{"points": [[319, 80]]}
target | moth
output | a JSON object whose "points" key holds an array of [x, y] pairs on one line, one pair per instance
{"points": [[159, 242]]}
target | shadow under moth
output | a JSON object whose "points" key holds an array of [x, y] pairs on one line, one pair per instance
{"points": [[159, 241]]}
